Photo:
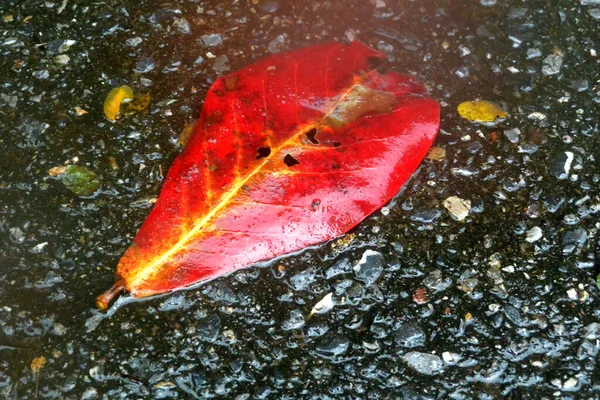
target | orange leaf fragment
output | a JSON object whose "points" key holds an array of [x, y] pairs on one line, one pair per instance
{"points": [[37, 364], [56, 171], [436, 154]]}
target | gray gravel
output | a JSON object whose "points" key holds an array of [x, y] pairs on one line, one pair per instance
{"points": [[503, 304]]}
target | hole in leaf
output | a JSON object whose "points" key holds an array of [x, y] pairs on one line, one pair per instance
{"points": [[336, 144], [290, 161], [263, 152], [312, 136]]}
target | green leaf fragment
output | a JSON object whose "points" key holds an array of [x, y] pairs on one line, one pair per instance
{"points": [[80, 180]]}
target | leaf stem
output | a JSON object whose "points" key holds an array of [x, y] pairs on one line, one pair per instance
{"points": [[103, 301]]}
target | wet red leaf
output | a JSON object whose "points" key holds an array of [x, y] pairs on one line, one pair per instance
{"points": [[290, 151]]}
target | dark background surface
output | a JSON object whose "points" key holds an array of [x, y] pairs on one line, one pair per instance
{"points": [[504, 318]]}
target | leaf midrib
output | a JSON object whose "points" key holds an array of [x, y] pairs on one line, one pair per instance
{"points": [[143, 273]]}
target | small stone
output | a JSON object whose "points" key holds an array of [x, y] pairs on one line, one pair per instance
{"points": [[570, 383], [221, 64], [302, 280], [295, 321], [351, 34], [43, 74], [515, 315], [212, 40], [575, 238], [385, 47], [62, 59], [571, 219], [341, 267], [134, 42], [369, 267], [277, 45], [333, 346], [426, 216], [592, 331], [559, 164], [420, 296], [552, 64], [533, 53], [16, 235], [58, 46], [463, 51], [458, 208], [427, 364], [208, 329], [534, 234], [435, 282], [410, 335], [144, 65], [268, 6], [324, 305], [229, 336], [467, 282], [89, 394], [450, 358], [181, 25], [594, 13], [512, 135], [59, 329], [371, 347]]}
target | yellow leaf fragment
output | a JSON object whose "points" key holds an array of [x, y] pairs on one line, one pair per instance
{"points": [[139, 103], [481, 111], [436, 154], [186, 133], [113, 163], [468, 316], [79, 111], [37, 364], [112, 103], [343, 242]]}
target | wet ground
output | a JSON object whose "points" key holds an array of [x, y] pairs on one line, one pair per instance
{"points": [[501, 305]]}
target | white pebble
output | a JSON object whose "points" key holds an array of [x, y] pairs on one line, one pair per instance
{"points": [[324, 305], [534, 234], [459, 208]]}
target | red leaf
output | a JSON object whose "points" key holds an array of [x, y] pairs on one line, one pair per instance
{"points": [[290, 151]]}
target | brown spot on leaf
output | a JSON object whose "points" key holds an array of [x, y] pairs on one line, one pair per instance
{"points": [[215, 118], [361, 101], [231, 82]]}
